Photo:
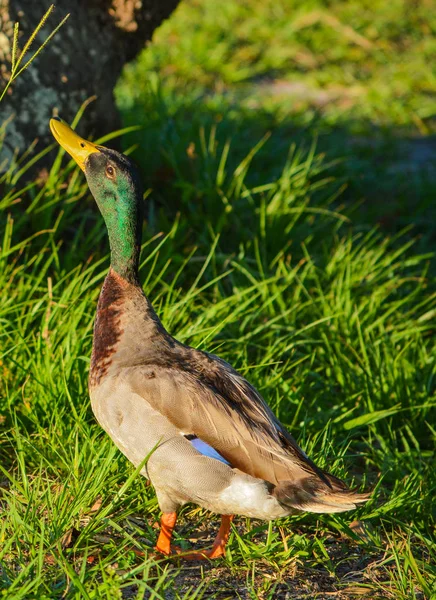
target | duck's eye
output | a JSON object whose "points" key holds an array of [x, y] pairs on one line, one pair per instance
{"points": [[110, 171]]}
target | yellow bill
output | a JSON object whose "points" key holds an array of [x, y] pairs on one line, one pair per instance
{"points": [[76, 146]]}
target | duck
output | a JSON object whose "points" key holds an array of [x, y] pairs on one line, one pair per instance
{"points": [[208, 435]]}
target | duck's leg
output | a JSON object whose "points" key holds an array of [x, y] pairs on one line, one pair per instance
{"points": [[167, 523], [219, 546]]}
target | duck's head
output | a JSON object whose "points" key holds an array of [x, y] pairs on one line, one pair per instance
{"points": [[116, 186]]}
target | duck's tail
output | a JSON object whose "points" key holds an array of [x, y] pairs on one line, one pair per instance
{"points": [[314, 495]]}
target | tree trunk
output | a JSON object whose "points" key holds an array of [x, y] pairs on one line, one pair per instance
{"points": [[84, 59]]}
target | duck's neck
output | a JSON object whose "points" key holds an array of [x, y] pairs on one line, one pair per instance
{"points": [[125, 232]]}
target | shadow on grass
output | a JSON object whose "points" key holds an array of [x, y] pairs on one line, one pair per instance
{"points": [[384, 176]]}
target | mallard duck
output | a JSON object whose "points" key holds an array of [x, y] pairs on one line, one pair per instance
{"points": [[211, 438]]}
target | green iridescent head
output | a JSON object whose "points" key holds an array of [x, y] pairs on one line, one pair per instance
{"points": [[115, 184]]}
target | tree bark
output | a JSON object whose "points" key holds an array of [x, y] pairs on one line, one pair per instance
{"points": [[84, 59]]}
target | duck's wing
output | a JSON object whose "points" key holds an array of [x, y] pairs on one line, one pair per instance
{"points": [[206, 399]]}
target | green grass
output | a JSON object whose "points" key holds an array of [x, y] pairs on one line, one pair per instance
{"points": [[370, 58], [254, 249], [357, 76]]}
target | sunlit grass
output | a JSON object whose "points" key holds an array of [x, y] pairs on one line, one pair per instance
{"points": [[360, 60]]}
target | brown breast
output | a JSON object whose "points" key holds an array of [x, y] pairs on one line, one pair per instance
{"points": [[107, 326]]}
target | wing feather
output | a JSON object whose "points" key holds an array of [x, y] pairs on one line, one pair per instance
{"points": [[202, 395]]}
